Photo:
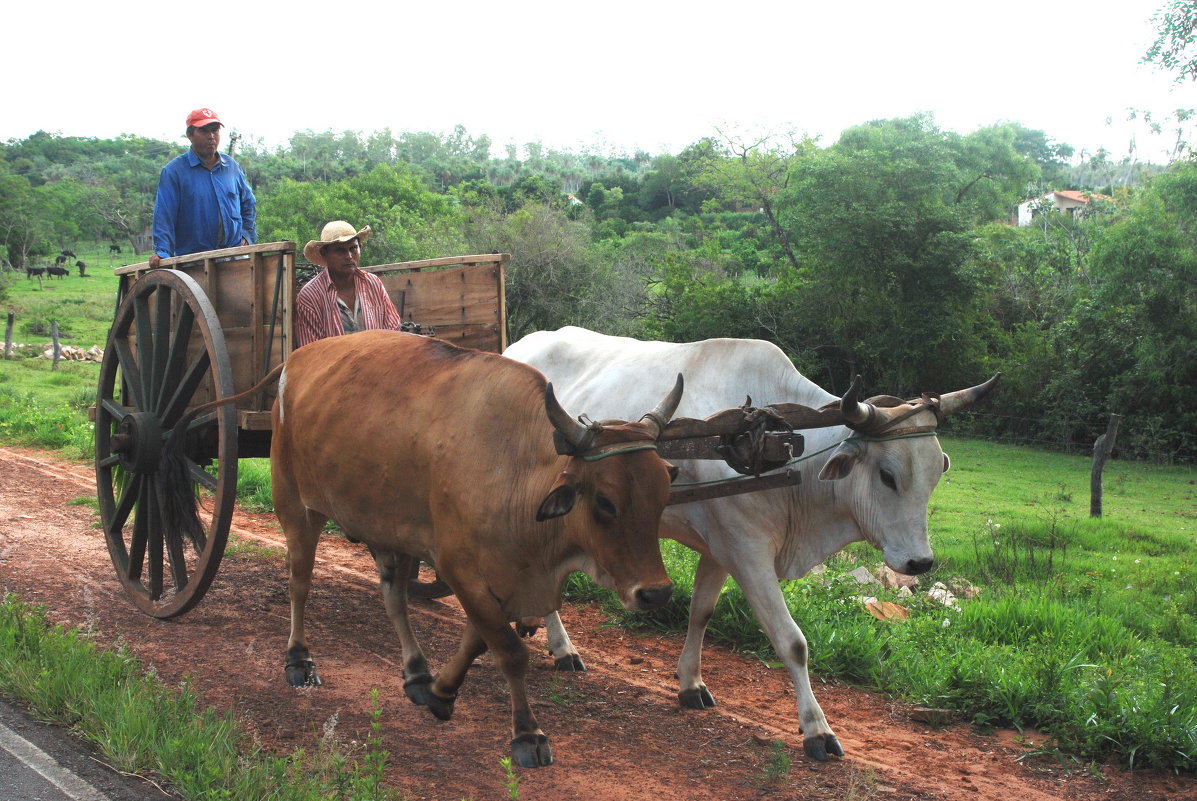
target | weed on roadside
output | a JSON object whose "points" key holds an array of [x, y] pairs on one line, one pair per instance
{"points": [[511, 780], [776, 770]]}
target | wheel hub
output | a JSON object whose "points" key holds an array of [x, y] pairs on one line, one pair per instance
{"points": [[138, 442]]}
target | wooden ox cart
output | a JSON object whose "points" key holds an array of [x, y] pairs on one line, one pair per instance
{"points": [[211, 325]]}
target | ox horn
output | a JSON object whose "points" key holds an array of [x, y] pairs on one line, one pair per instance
{"points": [[851, 408], [659, 417], [964, 398], [576, 435]]}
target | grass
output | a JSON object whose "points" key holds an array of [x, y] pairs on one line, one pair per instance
{"points": [[776, 769], [83, 307], [42, 403], [148, 729]]}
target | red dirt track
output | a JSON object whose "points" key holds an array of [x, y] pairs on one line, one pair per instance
{"points": [[617, 731]]}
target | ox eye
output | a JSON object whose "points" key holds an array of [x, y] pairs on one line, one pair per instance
{"points": [[605, 505], [887, 478]]}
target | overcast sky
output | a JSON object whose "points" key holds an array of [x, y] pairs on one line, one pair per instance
{"points": [[619, 75]]}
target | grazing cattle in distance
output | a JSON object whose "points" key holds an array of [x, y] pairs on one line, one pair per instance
{"points": [[59, 271], [59, 260], [32, 271], [426, 451], [82, 268], [68, 254], [114, 249], [870, 481]]}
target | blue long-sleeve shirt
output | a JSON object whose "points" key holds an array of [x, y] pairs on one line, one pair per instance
{"points": [[199, 209]]}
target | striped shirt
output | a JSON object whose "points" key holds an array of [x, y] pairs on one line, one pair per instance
{"points": [[317, 314]]}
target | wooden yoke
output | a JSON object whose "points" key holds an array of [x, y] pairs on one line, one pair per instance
{"points": [[750, 440]]}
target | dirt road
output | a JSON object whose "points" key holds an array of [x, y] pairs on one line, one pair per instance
{"points": [[617, 731]]}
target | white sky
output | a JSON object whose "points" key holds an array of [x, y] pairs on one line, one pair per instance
{"points": [[618, 75]]}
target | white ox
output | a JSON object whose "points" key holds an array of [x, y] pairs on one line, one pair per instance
{"points": [[871, 484]]}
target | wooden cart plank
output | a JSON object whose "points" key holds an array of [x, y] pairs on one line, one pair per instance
{"points": [[464, 304], [225, 253]]}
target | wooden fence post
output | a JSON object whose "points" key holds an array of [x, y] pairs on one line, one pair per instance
{"points": [[1101, 451], [57, 346]]}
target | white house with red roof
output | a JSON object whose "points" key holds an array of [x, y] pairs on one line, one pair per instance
{"points": [[1068, 200]]}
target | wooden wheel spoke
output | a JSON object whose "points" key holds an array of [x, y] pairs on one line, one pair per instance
{"points": [[152, 510], [200, 476], [124, 505], [202, 421], [130, 371], [195, 373], [160, 323], [145, 338], [173, 542], [109, 461], [177, 357], [141, 528], [114, 409]]}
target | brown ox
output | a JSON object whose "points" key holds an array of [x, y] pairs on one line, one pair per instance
{"points": [[423, 450]]}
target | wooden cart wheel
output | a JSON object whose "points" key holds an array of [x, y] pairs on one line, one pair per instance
{"points": [[146, 384], [418, 588]]}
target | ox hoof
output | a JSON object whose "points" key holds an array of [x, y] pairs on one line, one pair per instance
{"points": [[531, 751], [302, 673], [569, 662], [416, 688], [819, 747], [441, 708], [698, 698]]}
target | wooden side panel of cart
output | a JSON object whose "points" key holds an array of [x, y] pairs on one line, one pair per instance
{"points": [[252, 291], [461, 297]]}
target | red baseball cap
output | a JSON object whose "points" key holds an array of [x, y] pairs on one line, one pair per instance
{"points": [[201, 117]]}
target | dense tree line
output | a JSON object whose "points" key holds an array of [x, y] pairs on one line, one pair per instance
{"points": [[888, 253]]}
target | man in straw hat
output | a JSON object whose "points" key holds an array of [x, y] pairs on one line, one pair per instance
{"points": [[203, 200], [342, 298]]}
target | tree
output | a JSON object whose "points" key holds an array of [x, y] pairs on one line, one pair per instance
{"points": [[669, 186], [1173, 49], [994, 174], [551, 279], [1144, 314], [408, 220], [24, 228], [882, 223], [1052, 157], [751, 174]]}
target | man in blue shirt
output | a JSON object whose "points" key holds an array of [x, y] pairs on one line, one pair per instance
{"points": [[203, 201]]}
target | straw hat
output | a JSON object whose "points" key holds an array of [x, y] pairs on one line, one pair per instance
{"points": [[335, 231]]}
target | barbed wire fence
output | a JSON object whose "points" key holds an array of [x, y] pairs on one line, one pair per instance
{"points": [[1078, 436]]}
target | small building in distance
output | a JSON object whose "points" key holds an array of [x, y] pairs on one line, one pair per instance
{"points": [[1067, 200]]}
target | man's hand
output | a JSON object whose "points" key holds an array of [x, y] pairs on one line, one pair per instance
{"points": [[155, 260]]}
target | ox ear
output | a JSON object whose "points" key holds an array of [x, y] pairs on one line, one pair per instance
{"points": [[673, 471], [841, 463], [561, 498], [947, 463]]}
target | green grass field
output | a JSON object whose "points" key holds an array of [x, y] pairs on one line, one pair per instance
{"points": [[1084, 629], [83, 307]]}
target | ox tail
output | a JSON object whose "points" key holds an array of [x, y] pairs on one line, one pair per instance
{"points": [[180, 503]]}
